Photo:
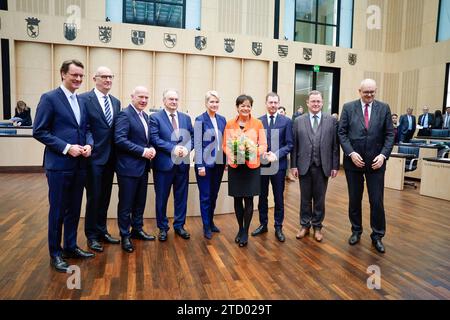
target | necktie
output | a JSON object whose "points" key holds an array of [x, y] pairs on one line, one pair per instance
{"points": [[75, 107], [366, 115], [447, 118], [174, 122], [315, 123], [108, 114], [271, 122], [144, 123], [423, 120]]}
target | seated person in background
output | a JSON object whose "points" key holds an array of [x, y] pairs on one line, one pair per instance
{"points": [[395, 123], [22, 115], [438, 120]]}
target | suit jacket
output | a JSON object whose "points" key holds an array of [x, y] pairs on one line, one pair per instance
{"points": [[102, 133], [430, 120], [161, 137], [285, 139], [25, 116], [403, 124], [303, 144], [130, 140], [369, 143], [55, 126], [205, 144]]}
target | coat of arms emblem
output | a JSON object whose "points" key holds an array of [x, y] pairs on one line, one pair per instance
{"points": [[257, 48], [352, 58], [170, 40], [229, 44], [283, 50], [307, 53], [105, 34], [138, 37], [331, 56], [200, 42], [70, 31], [32, 26]]}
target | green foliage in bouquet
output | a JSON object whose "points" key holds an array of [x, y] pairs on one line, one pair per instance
{"points": [[242, 148]]}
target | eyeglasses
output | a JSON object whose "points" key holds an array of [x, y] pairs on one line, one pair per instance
{"points": [[76, 75], [368, 92], [106, 76]]}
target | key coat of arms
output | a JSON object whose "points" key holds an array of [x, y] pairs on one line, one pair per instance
{"points": [[32, 26]]}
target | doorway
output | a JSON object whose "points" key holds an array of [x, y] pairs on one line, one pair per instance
{"points": [[324, 79]]}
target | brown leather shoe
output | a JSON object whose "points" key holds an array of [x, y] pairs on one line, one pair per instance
{"points": [[302, 233], [318, 235]]}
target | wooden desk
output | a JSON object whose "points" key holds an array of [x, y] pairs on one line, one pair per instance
{"points": [[395, 171], [436, 178]]}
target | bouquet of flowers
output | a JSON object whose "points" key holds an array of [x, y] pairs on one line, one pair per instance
{"points": [[242, 149]]}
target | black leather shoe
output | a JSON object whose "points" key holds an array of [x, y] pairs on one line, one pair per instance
{"points": [[77, 253], [354, 238], [214, 229], [109, 239], [182, 233], [59, 264], [162, 236], [379, 246], [142, 235], [238, 236], [261, 229], [127, 245], [207, 234], [279, 234], [244, 239], [95, 245]]}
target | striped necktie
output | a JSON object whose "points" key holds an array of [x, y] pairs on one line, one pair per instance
{"points": [[108, 114]]}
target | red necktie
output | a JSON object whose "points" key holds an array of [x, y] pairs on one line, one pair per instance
{"points": [[366, 115]]}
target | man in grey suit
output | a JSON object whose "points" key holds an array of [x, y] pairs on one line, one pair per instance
{"points": [[366, 134], [314, 159]]}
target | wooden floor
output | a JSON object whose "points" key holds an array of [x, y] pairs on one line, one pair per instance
{"points": [[416, 264]]}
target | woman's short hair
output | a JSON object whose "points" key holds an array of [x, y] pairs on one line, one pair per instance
{"points": [[243, 97], [211, 93]]}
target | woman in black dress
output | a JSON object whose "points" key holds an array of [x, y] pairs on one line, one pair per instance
{"points": [[244, 142]]}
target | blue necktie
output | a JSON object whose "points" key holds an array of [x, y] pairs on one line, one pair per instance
{"points": [[108, 114], [75, 107]]}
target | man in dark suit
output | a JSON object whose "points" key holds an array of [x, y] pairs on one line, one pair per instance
{"points": [[407, 126], [172, 135], [61, 124], [274, 165], [315, 158], [446, 123], [134, 152], [426, 121], [102, 109], [297, 113], [366, 135]]}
